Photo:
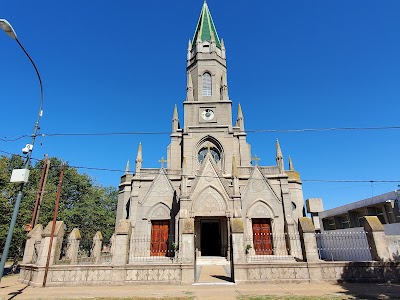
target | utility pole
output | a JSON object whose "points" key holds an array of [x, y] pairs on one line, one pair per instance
{"points": [[53, 226], [20, 175], [40, 194]]}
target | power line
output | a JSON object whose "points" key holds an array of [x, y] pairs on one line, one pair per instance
{"points": [[304, 180], [168, 132]]}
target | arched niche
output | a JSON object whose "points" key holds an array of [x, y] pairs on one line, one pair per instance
{"points": [[159, 211], [209, 202]]}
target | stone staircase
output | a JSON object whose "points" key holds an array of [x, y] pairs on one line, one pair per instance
{"points": [[211, 261]]}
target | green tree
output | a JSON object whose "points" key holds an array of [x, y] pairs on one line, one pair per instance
{"points": [[83, 204]]}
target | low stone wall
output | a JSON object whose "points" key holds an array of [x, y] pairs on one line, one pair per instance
{"points": [[290, 272], [72, 275], [372, 271]]}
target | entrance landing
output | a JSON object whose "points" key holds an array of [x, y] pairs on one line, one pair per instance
{"points": [[215, 274]]}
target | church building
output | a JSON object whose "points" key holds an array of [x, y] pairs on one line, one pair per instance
{"points": [[210, 214], [210, 187]]}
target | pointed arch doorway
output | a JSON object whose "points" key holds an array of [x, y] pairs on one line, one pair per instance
{"points": [[212, 236]]}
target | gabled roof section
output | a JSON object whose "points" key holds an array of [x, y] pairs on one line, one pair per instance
{"points": [[205, 30], [258, 184], [160, 186], [210, 175]]}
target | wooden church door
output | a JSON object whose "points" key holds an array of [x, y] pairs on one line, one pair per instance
{"points": [[262, 238], [159, 238]]}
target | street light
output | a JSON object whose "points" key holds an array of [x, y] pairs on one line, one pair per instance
{"points": [[7, 28]]}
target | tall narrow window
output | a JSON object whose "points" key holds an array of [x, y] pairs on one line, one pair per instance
{"points": [[207, 84]]}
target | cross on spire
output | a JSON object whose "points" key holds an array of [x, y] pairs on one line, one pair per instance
{"points": [[255, 159], [162, 161]]}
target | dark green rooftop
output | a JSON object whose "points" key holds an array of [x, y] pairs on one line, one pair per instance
{"points": [[205, 30]]}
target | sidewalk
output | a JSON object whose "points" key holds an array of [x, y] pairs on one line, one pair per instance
{"points": [[11, 289]]}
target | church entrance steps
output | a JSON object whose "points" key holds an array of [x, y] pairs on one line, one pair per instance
{"points": [[211, 261], [213, 274]]}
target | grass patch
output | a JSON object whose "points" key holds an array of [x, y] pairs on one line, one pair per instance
{"points": [[132, 298], [292, 298]]}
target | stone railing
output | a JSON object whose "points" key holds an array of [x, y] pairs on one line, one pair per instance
{"points": [[247, 171], [146, 172]]}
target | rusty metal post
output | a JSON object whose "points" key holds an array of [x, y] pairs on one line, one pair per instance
{"points": [[39, 195], [53, 226]]}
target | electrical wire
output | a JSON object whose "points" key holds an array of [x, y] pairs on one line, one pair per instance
{"points": [[66, 134], [205, 176]]}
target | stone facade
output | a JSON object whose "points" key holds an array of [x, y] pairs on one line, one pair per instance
{"points": [[209, 178], [206, 200]]}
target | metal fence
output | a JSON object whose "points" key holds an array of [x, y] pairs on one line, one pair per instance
{"points": [[270, 247], [145, 249], [343, 246]]}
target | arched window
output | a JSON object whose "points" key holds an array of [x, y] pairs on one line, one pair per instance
{"points": [[214, 153], [207, 84]]}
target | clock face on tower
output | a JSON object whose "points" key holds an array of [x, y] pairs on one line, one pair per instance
{"points": [[207, 114]]}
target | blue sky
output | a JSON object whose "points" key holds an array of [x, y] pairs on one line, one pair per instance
{"points": [[120, 67]]}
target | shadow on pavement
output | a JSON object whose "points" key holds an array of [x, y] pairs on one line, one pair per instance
{"points": [[222, 278], [15, 294]]}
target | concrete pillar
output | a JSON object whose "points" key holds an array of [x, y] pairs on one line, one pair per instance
{"points": [[187, 251], [96, 247], [376, 239], [32, 245], [112, 244], [238, 246], [122, 237], [295, 247], [309, 242], [45, 243], [74, 239], [314, 207]]}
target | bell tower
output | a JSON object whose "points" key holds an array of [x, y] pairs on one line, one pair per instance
{"points": [[207, 100], [207, 108]]}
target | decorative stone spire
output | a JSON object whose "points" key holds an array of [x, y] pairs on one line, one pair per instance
{"points": [[235, 172], [175, 120], [205, 29], [189, 88], [235, 176], [279, 157], [184, 166], [240, 118], [127, 168], [184, 177], [223, 49], [188, 49], [291, 167], [224, 87], [139, 158]]}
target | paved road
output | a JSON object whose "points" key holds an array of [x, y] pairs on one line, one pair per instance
{"points": [[11, 289]]}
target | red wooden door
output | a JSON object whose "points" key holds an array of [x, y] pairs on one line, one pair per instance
{"points": [[262, 238], [159, 238]]}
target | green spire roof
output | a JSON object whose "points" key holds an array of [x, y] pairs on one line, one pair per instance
{"points": [[205, 30]]}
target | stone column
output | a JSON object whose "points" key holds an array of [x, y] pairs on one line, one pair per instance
{"points": [[309, 242], [32, 245], [238, 247], [96, 247], [112, 244], [45, 243], [376, 238], [122, 237], [187, 251], [74, 239]]}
